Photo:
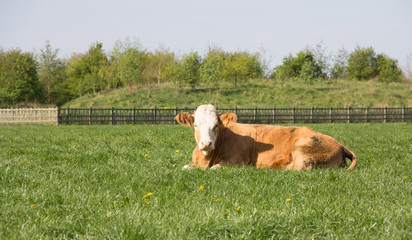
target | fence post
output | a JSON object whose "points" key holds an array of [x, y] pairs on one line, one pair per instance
{"points": [[134, 115], [58, 115], [330, 115], [155, 115], [293, 115], [348, 111], [175, 122], [67, 116], [254, 115], [403, 114], [90, 115], [311, 114], [367, 114], [274, 115], [385, 114], [113, 116]]}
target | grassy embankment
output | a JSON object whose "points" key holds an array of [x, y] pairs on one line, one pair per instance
{"points": [[257, 93], [126, 182]]}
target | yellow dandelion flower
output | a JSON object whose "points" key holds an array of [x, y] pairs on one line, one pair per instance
{"points": [[147, 203], [32, 206], [147, 195], [369, 156], [177, 150], [74, 146], [238, 208], [201, 188], [218, 200], [405, 177], [146, 155], [109, 215], [288, 200]]}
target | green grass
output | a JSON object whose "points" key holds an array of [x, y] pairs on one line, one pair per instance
{"points": [[257, 93], [89, 182]]}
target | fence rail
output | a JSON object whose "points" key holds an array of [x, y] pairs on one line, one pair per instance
{"points": [[113, 116], [29, 115]]}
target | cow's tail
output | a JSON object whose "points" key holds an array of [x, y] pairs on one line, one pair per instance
{"points": [[349, 154]]}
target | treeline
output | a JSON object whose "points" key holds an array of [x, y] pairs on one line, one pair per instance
{"points": [[45, 78]]}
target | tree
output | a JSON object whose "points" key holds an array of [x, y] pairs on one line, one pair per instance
{"points": [[211, 70], [18, 77], [388, 69], [52, 73], [160, 64], [365, 64], [84, 71], [340, 65], [132, 66], [241, 65], [187, 71], [362, 64], [304, 65]]}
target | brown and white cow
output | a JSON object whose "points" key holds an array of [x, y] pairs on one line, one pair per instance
{"points": [[222, 142]]}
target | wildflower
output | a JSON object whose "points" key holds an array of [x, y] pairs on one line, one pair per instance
{"points": [[369, 156], [146, 155], [166, 108], [238, 208], [109, 215], [405, 177], [147, 203], [147, 195], [32, 206], [177, 150], [288, 200], [201, 188], [218, 200]]}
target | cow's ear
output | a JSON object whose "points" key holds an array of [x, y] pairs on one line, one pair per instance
{"points": [[227, 118], [185, 119]]}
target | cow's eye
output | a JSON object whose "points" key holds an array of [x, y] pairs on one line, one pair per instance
{"points": [[214, 128]]}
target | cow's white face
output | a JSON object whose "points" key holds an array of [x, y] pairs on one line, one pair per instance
{"points": [[206, 123]]}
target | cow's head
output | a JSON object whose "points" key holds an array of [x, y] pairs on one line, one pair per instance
{"points": [[207, 123]]}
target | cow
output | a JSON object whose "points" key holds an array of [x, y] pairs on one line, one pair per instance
{"points": [[221, 141]]}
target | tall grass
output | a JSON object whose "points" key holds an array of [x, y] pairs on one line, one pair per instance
{"points": [[257, 93], [126, 182]]}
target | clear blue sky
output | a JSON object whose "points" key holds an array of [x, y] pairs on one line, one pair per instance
{"points": [[278, 27]]}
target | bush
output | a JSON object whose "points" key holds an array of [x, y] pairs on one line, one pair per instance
{"points": [[365, 64], [303, 65]]}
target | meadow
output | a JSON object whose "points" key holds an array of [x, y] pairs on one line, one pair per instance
{"points": [[126, 182]]}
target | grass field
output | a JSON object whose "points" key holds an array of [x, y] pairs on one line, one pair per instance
{"points": [[126, 182], [257, 93]]}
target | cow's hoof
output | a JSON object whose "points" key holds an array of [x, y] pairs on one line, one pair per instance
{"points": [[214, 167], [187, 167]]}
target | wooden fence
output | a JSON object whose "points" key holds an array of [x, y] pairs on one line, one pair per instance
{"points": [[115, 116], [29, 115]]}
